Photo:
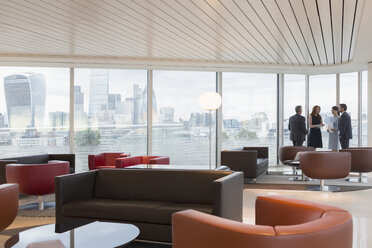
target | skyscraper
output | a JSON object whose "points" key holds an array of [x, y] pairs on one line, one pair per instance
{"points": [[25, 96], [98, 92], [143, 109]]}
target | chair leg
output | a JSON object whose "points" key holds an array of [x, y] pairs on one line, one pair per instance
{"points": [[41, 202]]}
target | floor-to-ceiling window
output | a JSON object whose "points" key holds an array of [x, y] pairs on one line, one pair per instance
{"points": [[34, 110], [110, 112], [365, 108], [323, 93], [294, 95], [349, 96], [249, 111], [180, 125]]}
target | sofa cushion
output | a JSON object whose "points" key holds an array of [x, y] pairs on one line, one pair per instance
{"points": [[262, 161], [157, 185], [132, 211]]}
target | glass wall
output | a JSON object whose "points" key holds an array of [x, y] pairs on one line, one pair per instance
{"points": [[364, 108], [34, 111], [249, 108], [294, 94], [180, 125], [110, 113], [349, 96], [323, 93]]}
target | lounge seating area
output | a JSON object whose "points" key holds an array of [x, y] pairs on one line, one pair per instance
{"points": [[186, 124]]}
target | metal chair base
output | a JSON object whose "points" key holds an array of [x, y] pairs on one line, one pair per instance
{"points": [[324, 188], [359, 179]]}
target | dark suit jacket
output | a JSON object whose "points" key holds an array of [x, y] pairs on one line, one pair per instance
{"points": [[297, 127], [344, 126]]}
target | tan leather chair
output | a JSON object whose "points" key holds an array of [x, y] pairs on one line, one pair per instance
{"points": [[8, 204], [325, 165], [288, 153], [280, 222], [361, 161]]}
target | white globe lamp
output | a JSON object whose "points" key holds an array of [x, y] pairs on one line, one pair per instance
{"points": [[210, 101]]}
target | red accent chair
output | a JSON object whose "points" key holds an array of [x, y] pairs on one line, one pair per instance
{"points": [[36, 179], [8, 204], [125, 162], [105, 160]]}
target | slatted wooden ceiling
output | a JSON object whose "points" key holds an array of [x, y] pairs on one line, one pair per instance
{"points": [[284, 32]]}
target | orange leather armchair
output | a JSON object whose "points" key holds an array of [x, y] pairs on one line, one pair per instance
{"points": [[105, 160], [8, 204], [129, 161], [325, 165], [361, 161], [280, 222]]}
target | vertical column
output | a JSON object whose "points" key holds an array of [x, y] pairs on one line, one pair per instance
{"points": [[280, 114], [369, 120], [149, 111], [72, 111], [337, 89], [281, 110], [219, 120], [360, 101], [307, 97]]}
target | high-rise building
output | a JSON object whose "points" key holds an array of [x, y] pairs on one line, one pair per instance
{"points": [[136, 103], [2, 120], [25, 96], [58, 120], [143, 108], [98, 92], [113, 101], [166, 114]]}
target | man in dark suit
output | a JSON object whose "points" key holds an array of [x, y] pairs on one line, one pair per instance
{"points": [[344, 127], [297, 127]]}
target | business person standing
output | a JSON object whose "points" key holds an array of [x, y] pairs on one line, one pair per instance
{"points": [[344, 127], [315, 123], [297, 127]]}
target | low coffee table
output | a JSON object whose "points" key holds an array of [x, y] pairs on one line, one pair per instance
{"points": [[96, 234], [296, 164]]}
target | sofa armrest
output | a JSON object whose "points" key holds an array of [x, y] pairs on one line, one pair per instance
{"points": [[3, 164], [194, 229], [74, 187], [228, 196], [262, 152], [159, 160], [65, 157]]}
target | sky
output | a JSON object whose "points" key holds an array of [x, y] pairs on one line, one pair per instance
{"points": [[243, 93]]}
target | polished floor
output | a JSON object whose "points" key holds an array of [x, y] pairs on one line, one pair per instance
{"points": [[359, 203]]}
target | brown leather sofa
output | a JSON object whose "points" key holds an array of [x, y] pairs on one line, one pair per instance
{"points": [[8, 204], [35, 159], [252, 161], [146, 198], [280, 222], [361, 161], [325, 165]]}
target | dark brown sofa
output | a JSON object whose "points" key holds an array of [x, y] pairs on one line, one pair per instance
{"points": [[35, 159], [146, 198], [252, 161]]}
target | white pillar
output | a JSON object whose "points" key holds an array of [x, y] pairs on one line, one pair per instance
{"points": [[307, 98], [369, 95], [360, 101], [149, 111], [72, 112], [337, 89], [219, 121]]}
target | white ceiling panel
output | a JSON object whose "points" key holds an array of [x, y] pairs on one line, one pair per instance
{"points": [[246, 32]]}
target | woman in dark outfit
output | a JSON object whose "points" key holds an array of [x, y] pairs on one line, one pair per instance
{"points": [[315, 123]]}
